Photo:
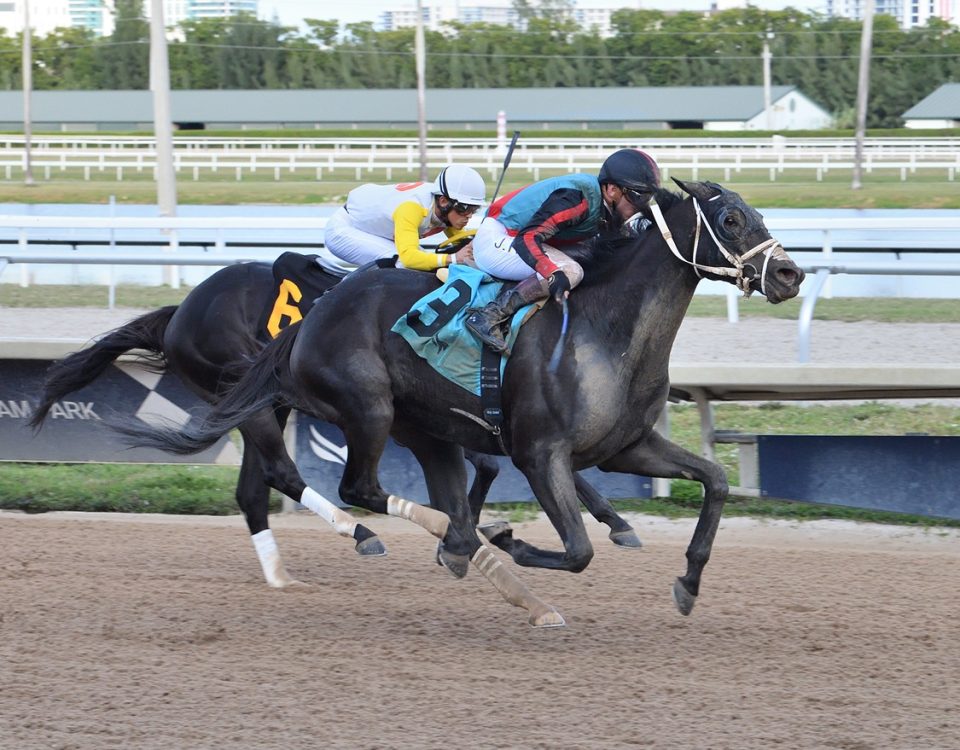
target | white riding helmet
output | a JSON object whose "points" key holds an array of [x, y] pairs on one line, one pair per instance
{"points": [[461, 185]]}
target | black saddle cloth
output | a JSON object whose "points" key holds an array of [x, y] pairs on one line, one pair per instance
{"points": [[299, 280]]}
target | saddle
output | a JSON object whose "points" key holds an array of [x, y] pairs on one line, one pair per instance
{"points": [[434, 329], [299, 280]]}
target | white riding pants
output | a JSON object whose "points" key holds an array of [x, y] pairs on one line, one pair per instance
{"points": [[353, 245], [493, 253]]}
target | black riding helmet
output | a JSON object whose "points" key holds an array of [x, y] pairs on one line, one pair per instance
{"points": [[634, 171]]}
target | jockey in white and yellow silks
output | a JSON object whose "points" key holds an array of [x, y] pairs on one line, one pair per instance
{"points": [[380, 221]]}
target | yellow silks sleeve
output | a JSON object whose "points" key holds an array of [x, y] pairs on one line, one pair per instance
{"points": [[406, 236]]}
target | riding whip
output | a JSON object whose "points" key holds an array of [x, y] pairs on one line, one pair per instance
{"points": [[453, 244], [506, 163], [558, 349]]}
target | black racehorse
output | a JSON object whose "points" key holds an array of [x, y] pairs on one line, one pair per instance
{"points": [[219, 326], [598, 409]]}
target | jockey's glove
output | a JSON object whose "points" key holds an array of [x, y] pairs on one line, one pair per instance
{"points": [[559, 283]]}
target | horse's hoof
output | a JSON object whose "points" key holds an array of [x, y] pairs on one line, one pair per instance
{"points": [[683, 598], [495, 531], [371, 547], [547, 618], [626, 538], [458, 565], [289, 584]]}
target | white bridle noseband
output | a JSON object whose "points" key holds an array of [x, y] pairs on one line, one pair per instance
{"points": [[770, 248]]}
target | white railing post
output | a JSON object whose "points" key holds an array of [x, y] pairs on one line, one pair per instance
{"points": [[806, 316]]}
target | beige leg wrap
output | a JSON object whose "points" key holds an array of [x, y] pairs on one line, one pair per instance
{"points": [[432, 520], [513, 590]]}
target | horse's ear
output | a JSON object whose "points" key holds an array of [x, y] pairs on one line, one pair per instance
{"points": [[702, 191]]}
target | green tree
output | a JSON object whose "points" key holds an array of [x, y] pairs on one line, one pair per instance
{"points": [[125, 54], [67, 58], [11, 72], [817, 54]]}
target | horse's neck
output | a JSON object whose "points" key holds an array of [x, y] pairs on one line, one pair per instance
{"points": [[645, 302]]}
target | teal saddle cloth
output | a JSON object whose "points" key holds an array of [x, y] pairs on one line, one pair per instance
{"points": [[434, 326]]}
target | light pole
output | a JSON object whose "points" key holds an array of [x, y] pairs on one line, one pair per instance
{"points": [[162, 125], [767, 95], [420, 55], [27, 65], [863, 89]]}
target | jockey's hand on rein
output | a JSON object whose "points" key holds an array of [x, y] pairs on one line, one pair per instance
{"points": [[559, 285]]}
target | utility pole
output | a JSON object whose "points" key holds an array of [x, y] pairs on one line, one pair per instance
{"points": [[420, 55], [162, 125], [27, 65], [767, 95], [863, 90]]}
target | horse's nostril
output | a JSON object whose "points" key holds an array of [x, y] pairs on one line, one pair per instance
{"points": [[789, 276]]}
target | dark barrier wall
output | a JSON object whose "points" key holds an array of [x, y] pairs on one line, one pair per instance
{"points": [[910, 474], [321, 455], [74, 430]]}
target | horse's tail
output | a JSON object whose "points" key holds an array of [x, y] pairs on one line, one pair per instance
{"points": [[83, 367], [260, 387]]}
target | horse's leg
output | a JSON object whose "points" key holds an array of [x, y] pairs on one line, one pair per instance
{"points": [[253, 497], [446, 479], [656, 456], [279, 471], [552, 481], [366, 437], [621, 533], [486, 470]]}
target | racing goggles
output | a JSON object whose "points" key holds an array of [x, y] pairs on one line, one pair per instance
{"points": [[636, 197], [464, 209]]}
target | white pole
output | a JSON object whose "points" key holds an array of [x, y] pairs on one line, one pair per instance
{"points": [[767, 95], [27, 92], [162, 125], [863, 89], [421, 63]]}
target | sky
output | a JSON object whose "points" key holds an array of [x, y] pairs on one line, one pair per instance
{"points": [[291, 12]]}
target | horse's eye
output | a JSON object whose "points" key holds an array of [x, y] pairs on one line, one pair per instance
{"points": [[729, 224]]}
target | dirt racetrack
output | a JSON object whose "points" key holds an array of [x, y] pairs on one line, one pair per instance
{"points": [[121, 631]]}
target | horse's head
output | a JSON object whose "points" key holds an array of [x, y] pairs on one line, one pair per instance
{"points": [[742, 252]]}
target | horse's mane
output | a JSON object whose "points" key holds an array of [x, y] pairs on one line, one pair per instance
{"points": [[605, 256]]}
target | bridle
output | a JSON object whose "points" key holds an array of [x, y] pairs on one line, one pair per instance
{"points": [[770, 248]]}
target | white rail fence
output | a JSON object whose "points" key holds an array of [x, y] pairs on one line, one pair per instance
{"points": [[914, 232], [171, 233], [715, 144], [125, 158]]}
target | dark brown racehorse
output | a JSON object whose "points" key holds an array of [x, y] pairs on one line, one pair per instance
{"points": [[214, 331], [599, 409]]}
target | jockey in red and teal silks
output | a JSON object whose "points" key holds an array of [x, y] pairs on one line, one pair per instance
{"points": [[562, 210], [522, 236]]}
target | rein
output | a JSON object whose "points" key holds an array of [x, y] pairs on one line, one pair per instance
{"points": [[770, 248]]}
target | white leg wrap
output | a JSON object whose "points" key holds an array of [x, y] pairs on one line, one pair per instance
{"points": [[343, 523], [432, 520], [270, 562]]}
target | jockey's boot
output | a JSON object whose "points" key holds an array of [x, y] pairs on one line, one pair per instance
{"points": [[486, 323]]}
